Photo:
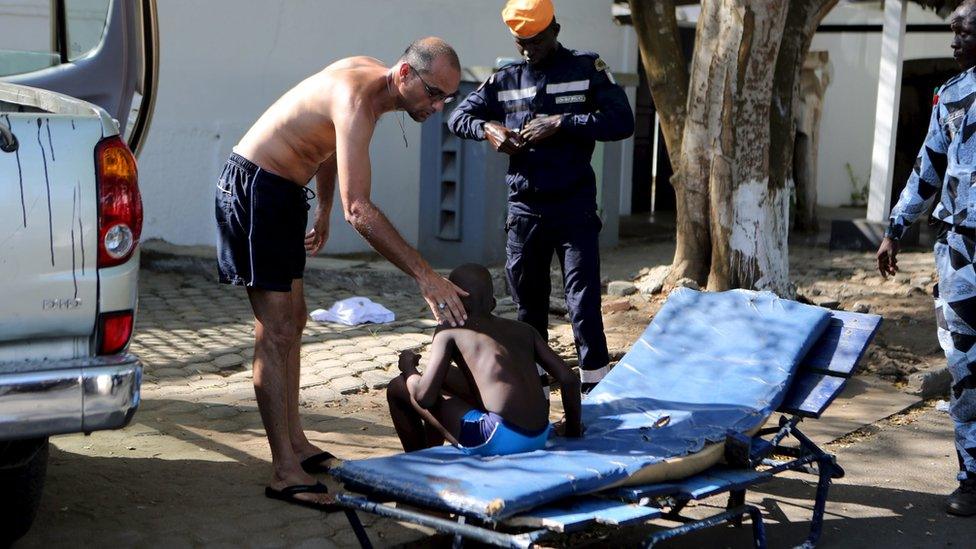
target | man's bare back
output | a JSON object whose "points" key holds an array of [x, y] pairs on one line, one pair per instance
{"points": [[297, 133]]}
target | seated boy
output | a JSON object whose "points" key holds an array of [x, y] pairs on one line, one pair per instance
{"points": [[492, 402]]}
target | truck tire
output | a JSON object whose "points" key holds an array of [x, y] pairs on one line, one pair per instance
{"points": [[23, 465]]}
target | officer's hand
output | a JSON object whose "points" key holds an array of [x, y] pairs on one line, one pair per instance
{"points": [[503, 139], [540, 128], [887, 262]]}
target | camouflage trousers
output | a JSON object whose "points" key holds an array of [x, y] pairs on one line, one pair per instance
{"points": [[955, 311]]}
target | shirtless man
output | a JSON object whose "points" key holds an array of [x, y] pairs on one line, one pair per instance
{"points": [[322, 127], [492, 402]]}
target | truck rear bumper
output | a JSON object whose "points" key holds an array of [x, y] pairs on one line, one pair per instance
{"points": [[76, 396]]}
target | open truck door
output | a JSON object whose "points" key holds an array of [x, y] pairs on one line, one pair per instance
{"points": [[101, 51]]}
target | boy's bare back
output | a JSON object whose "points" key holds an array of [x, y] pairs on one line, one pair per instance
{"points": [[499, 357], [496, 362]]}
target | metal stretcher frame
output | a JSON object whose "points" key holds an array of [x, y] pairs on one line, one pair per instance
{"points": [[821, 377]]}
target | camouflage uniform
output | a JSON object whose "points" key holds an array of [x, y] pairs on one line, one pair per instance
{"points": [[947, 162]]}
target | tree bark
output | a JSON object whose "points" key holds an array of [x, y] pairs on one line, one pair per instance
{"points": [[708, 103], [801, 23], [733, 171], [667, 78], [664, 64], [749, 233]]}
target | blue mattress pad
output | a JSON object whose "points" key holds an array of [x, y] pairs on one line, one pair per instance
{"points": [[708, 364]]}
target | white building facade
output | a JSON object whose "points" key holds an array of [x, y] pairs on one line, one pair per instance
{"points": [[223, 62]]}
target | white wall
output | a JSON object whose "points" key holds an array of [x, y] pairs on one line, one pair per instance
{"points": [[222, 62], [847, 127]]}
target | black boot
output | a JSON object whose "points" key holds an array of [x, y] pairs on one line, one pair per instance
{"points": [[962, 502]]}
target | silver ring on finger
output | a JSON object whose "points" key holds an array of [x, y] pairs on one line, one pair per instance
{"points": [[442, 305]]}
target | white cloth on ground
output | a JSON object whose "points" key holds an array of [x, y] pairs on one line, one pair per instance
{"points": [[353, 311]]}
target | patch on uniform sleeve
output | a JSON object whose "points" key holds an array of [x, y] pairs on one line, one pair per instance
{"points": [[601, 65]]}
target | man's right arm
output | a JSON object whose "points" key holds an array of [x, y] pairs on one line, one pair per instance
{"points": [[922, 187], [479, 117], [925, 180], [469, 117], [569, 384], [354, 130]]}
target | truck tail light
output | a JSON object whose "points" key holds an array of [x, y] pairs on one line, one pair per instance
{"points": [[119, 202], [114, 331]]}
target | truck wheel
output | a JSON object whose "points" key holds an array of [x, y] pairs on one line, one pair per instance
{"points": [[23, 464]]}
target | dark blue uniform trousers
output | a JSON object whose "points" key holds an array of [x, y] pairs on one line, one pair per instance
{"points": [[532, 240]]}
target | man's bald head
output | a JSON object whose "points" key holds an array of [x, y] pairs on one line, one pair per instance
{"points": [[476, 280], [423, 52], [963, 25]]}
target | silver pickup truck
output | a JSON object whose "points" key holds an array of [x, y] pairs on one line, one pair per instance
{"points": [[70, 223]]}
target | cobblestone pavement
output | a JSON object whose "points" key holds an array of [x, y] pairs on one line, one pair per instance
{"points": [[191, 468], [196, 339]]}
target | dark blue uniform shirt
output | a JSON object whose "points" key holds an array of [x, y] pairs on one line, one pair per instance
{"points": [[552, 177]]}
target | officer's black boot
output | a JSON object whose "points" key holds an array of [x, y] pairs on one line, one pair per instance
{"points": [[962, 502]]}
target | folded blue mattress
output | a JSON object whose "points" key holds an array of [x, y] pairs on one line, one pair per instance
{"points": [[708, 364]]}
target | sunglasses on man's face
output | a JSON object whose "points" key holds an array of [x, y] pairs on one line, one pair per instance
{"points": [[435, 94]]}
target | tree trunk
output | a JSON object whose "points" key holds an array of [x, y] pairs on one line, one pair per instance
{"points": [[693, 166], [664, 64], [813, 80], [749, 216], [667, 78], [733, 175]]}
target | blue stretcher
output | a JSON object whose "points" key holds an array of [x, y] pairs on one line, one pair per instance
{"points": [[708, 371]]}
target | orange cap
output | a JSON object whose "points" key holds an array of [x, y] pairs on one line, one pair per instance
{"points": [[527, 18]]}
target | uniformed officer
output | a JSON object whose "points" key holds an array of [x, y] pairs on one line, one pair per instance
{"points": [[947, 163], [547, 112]]}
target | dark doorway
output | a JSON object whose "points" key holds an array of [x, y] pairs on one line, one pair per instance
{"points": [[651, 188], [651, 192], [920, 80]]}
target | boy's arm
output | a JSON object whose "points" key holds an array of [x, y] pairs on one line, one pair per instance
{"points": [[426, 388], [568, 382]]}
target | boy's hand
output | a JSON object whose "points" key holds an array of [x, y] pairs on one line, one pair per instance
{"points": [[408, 362], [564, 430]]}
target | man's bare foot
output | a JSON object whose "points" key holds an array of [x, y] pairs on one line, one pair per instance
{"points": [[305, 449], [313, 459], [281, 481]]}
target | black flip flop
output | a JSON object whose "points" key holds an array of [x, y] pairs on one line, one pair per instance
{"points": [[288, 496], [317, 464]]}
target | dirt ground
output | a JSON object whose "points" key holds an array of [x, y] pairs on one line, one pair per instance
{"points": [[843, 280], [175, 477]]}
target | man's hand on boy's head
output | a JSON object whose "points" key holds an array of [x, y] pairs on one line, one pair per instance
{"points": [[409, 361]]}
